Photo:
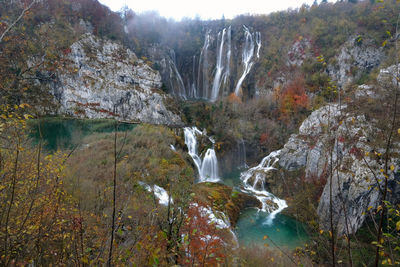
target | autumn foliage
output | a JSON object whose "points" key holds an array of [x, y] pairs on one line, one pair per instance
{"points": [[293, 98], [203, 245]]}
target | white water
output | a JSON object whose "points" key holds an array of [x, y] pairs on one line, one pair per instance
{"points": [[219, 67], [253, 181], [258, 42], [223, 62], [208, 167], [158, 192], [247, 56], [241, 157], [173, 72], [228, 57], [202, 78]]}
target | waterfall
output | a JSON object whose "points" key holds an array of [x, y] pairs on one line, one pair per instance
{"points": [[208, 167], [258, 42], [253, 181], [202, 78], [173, 72], [193, 90], [219, 67], [247, 56], [241, 149], [160, 193], [228, 56]]}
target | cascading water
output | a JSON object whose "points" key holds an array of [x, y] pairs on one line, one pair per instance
{"points": [[202, 78], [247, 56], [258, 42], [253, 181], [208, 167], [241, 154], [219, 67], [174, 74], [228, 56], [193, 89]]}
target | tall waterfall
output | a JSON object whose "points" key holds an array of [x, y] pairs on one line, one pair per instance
{"points": [[258, 42], [174, 74], [247, 56], [202, 78], [223, 62], [193, 89], [208, 167], [254, 180], [219, 67], [228, 56]]}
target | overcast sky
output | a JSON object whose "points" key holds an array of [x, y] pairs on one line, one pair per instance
{"points": [[206, 9]]}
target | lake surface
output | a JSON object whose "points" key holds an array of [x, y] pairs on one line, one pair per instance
{"points": [[60, 133], [284, 231]]}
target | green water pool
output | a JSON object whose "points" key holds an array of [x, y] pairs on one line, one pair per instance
{"points": [[285, 232], [64, 133]]}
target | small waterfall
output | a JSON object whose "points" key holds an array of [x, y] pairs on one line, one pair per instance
{"points": [[160, 193], [247, 56], [241, 150], [253, 181], [208, 167]]}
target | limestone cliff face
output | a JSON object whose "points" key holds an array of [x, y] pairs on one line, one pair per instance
{"points": [[103, 79], [333, 139], [355, 57]]}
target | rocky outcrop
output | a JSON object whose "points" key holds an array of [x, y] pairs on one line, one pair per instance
{"points": [[224, 199], [298, 52], [103, 79], [355, 57], [334, 140]]}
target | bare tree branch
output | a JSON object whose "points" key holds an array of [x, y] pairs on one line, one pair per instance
{"points": [[17, 20]]}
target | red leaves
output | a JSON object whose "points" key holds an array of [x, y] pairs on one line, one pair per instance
{"points": [[202, 242], [293, 98]]}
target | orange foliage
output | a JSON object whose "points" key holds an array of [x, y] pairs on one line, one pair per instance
{"points": [[293, 98], [233, 98], [203, 245], [263, 138]]}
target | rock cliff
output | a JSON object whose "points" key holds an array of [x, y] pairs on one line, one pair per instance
{"points": [[335, 140], [102, 79]]}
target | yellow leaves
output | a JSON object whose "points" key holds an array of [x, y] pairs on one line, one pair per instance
{"points": [[392, 167], [85, 260], [321, 232], [384, 43], [129, 217], [398, 226], [265, 237], [398, 131], [369, 208], [272, 259]]}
